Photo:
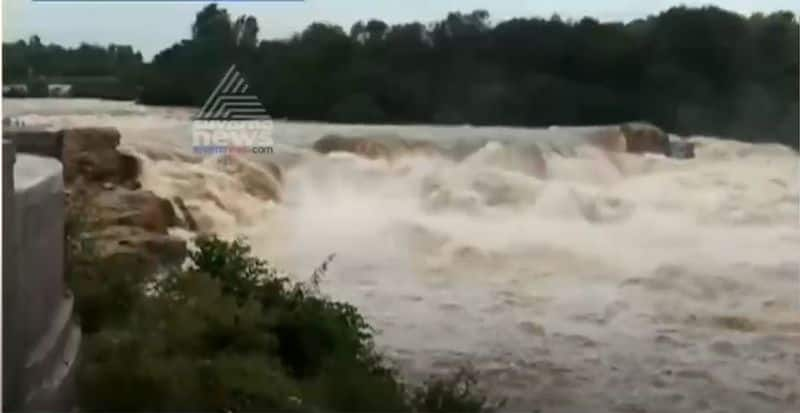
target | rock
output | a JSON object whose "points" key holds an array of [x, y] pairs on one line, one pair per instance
{"points": [[260, 181], [90, 139], [645, 138], [681, 149], [188, 218], [141, 209], [125, 224], [92, 154], [358, 146], [129, 167], [139, 250], [374, 147], [334, 143], [80, 143]]}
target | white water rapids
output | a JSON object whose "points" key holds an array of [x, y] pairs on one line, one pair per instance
{"points": [[646, 284]]}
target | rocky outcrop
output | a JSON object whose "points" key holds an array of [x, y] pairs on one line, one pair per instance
{"points": [[187, 217], [645, 138], [122, 221], [374, 147], [641, 138], [138, 249], [681, 149], [259, 180], [360, 146], [136, 208], [91, 155]]}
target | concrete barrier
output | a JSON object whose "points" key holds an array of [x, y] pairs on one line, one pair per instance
{"points": [[12, 328], [41, 341], [36, 141]]}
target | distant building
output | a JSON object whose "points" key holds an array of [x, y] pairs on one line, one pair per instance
{"points": [[103, 87], [15, 90], [59, 90], [12, 122]]}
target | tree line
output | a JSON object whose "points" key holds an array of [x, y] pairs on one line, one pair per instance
{"points": [[689, 70]]}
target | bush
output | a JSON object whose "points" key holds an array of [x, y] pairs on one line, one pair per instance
{"points": [[456, 393], [230, 334]]}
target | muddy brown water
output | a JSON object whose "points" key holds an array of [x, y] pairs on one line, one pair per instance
{"points": [[645, 284]]}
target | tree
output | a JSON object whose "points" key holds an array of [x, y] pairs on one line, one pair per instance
{"points": [[689, 70], [246, 32]]}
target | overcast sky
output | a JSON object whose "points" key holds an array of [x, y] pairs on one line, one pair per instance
{"points": [[153, 25]]}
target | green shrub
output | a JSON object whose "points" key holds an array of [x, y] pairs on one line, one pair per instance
{"points": [[230, 334], [106, 289], [455, 393]]}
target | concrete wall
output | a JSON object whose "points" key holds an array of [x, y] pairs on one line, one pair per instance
{"points": [[36, 141], [41, 341], [12, 345]]}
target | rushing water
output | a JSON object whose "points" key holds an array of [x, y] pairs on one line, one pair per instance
{"points": [[620, 283]]}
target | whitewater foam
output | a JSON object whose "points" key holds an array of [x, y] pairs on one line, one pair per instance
{"points": [[613, 282]]}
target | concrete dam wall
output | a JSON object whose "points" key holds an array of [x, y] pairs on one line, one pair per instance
{"points": [[41, 340]]}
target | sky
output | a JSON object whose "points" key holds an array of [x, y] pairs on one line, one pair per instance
{"points": [[150, 26]]}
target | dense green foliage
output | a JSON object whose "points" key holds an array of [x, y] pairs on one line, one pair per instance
{"points": [[93, 71], [688, 70], [230, 334]]}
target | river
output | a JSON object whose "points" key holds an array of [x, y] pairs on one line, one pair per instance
{"points": [[646, 284]]}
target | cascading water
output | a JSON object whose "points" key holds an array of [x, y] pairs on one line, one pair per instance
{"points": [[617, 282]]}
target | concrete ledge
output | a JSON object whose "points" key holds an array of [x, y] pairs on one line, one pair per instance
{"points": [[37, 141]]}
